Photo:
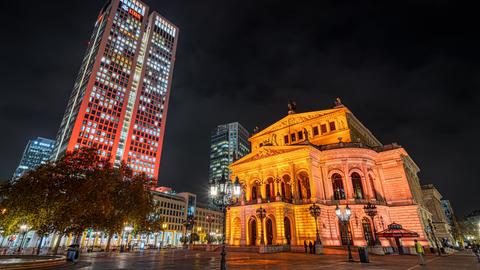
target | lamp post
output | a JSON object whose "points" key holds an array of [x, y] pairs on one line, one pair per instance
{"points": [[344, 217], [261, 214], [210, 218], [128, 229], [371, 211], [23, 229], [224, 193], [164, 228], [188, 223], [315, 212], [432, 230]]}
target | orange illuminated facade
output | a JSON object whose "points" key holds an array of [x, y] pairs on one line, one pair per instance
{"points": [[120, 97], [329, 158]]}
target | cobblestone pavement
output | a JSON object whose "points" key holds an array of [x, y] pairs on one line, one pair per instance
{"points": [[196, 260]]}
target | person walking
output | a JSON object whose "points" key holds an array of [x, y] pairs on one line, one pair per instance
{"points": [[420, 252], [476, 250], [310, 246], [305, 245]]}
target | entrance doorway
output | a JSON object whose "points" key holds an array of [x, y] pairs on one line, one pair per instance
{"points": [[253, 231], [269, 232], [288, 230]]}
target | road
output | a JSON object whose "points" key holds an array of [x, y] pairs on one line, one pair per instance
{"points": [[199, 260]]}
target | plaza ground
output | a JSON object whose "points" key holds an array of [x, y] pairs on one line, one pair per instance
{"points": [[198, 260]]}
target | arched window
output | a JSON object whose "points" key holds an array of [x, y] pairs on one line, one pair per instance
{"points": [[254, 193], [357, 186], [304, 181], [338, 191], [300, 195], [288, 187]]}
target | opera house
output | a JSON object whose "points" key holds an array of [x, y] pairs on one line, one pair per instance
{"points": [[329, 158]]}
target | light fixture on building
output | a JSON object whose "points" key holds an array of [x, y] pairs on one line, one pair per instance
{"points": [[344, 217]]}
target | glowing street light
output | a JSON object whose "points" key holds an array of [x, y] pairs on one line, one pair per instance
{"points": [[24, 228], [344, 217], [224, 193], [371, 211]]}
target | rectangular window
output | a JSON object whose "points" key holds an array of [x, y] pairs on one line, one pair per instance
{"points": [[323, 128], [300, 135], [285, 139], [332, 126], [293, 137], [315, 131]]}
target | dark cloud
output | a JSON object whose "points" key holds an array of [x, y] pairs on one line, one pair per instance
{"points": [[408, 70]]}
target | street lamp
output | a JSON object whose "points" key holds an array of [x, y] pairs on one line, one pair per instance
{"points": [[371, 211], [432, 230], [315, 212], [261, 214], [164, 227], [224, 193], [344, 217], [188, 224], [210, 218], [23, 229], [127, 229]]}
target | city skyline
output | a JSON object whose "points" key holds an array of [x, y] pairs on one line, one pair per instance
{"points": [[425, 86]]}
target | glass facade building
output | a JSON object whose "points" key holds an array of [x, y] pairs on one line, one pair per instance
{"points": [[120, 96], [37, 152], [229, 142]]}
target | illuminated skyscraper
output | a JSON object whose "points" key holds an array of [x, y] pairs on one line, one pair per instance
{"points": [[120, 97], [37, 152], [229, 142]]}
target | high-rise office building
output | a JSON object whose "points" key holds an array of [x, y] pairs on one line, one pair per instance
{"points": [[228, 143], [37, 152], [120, 97]]}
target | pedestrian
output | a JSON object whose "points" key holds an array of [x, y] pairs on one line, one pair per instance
{"points": [[305, 245], [420, 252], [476, 250], [310, 246], [314, 247]]}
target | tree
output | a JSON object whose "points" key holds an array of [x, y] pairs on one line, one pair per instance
{"points": [[80, 191]]}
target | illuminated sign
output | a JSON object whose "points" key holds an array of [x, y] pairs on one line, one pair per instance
{"points": [[135, 14]]}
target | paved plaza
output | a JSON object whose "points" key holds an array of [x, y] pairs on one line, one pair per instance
{"points": [[196, 260]]}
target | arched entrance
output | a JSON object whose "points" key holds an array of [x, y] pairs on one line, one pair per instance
{"points": [[269, 231], [288, 230], [367, 232], [252, 230]]}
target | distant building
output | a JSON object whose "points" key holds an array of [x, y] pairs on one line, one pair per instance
{"points": [[452, 220], [37, 152], [229, 142], [172, 208], [432, 199]]}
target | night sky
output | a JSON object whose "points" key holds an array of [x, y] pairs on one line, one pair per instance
{"points": [[409, 70]]}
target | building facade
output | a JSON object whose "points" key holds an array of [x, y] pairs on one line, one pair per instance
{"points": [[433, 202], [330, 158], [173, 209], [228, 143], [36, 152], [120, 97], [452, 221]]}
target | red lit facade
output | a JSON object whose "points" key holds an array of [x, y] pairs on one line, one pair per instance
{"points": [[120, 97]]}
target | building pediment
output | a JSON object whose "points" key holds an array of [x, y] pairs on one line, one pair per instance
{"points": [[294, 119], [268, 151]]}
